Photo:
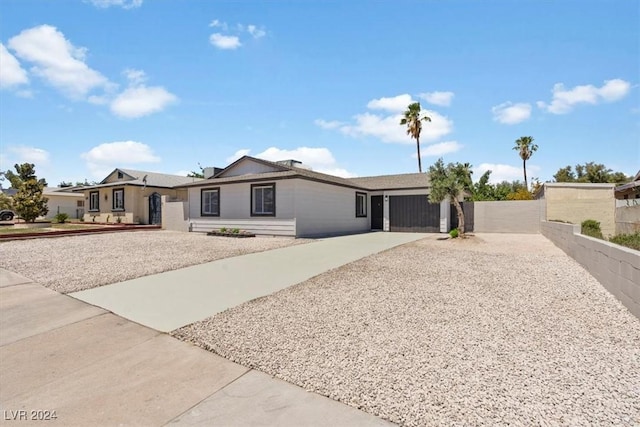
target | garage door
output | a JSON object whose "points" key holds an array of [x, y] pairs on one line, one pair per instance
{"points": [[413, 214]]}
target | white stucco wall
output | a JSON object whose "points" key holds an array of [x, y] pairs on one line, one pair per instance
{"points": [[324, 209]]}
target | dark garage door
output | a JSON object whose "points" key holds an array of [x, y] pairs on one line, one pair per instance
{"points": [[414, 214]]}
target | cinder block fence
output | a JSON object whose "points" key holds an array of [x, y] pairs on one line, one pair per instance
{"points": [[617, 268]]}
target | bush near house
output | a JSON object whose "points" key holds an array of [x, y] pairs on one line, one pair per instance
{"points": [[629, 240], [590, 227], [61, 218]]}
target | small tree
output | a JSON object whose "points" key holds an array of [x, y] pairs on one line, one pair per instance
{"points": [[450, 181], [6, 202], [29, 203]]}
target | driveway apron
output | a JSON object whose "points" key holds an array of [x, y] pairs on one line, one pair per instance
{"points": [[173, 299]]}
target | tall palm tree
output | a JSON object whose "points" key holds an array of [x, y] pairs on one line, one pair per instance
{"points": [[413, 121], [526, 148]]}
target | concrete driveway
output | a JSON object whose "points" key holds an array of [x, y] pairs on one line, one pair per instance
{"points": [[173, 299]]}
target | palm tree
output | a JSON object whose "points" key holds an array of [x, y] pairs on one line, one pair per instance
{"points": [[526, 148], [413, 121]]}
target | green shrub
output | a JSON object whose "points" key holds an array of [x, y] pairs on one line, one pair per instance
{"points": [[236, 231], [454, 233], [591, 228], [61, 218], [223, 230], [629, 240]]}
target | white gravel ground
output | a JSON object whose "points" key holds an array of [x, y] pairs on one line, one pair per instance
{"points": [[74, 263], [494, 330]]}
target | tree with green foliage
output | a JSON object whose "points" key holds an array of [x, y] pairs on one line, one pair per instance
{"points": [[22, 173], [526, 148], [450, 181], [413, 121], [6, 202], [194, 174], [590, 172], [29, 203]]}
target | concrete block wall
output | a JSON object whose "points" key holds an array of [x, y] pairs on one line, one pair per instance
{"points": [[628, 219], [617, 268], [512, 216], [174, 215]]}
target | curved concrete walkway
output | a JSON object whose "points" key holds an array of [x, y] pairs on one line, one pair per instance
{"points": [[173, 299]]}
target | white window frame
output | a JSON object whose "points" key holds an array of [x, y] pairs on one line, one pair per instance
{"points": [[257, 202], [118, 201], [361, 205], [209, 191], [94, 205]]}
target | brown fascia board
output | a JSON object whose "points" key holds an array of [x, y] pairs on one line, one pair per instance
{"points": [[117, 184]]}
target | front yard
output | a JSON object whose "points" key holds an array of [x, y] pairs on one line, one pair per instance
{"points": [[75, 263], [494, 330]]}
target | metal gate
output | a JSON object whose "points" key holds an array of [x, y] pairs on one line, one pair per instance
{"points": [[155, 209], [413, 214], [468, 210]]}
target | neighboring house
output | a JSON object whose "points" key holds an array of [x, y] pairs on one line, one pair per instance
{"points": [[630, 190], [131, 196], [64, 200], [285, 198], [575, 202]]}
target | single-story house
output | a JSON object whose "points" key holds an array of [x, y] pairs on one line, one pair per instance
{"points": [[630, 190], [64, 200], [287, 198], [131, 196]]}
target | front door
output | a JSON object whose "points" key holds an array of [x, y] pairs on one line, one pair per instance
{"points": [[377, 212], [155, 209]]}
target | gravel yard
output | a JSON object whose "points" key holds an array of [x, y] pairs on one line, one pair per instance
{"points": [[493, 330], [75, 263]]}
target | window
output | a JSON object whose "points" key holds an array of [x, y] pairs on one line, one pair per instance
{"points": [[120, 175], [94, 201], [118, 199], [361, 205], [80, 203], [210, 202], [263, 200]]}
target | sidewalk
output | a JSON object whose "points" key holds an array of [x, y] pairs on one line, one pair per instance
{"points": [[64, 358], [173, 299]]}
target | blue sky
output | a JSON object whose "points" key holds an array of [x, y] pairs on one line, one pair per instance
{"points": [[159, 85]]}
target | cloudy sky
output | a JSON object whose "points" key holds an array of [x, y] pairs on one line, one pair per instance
{"points": [[87, 86]]}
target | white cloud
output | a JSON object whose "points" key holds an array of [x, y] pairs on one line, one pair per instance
{"points": [[237, 155], [139, 100], [224, 42], [324, 124], [24, 154], [103, 158], [396, 104], [122, 3], [439, 149], [502, 172], [11, 73], [564, 100], [57, 61], [510, 114], [386, 126], [438, 98], [256, 33], [216, 23]]}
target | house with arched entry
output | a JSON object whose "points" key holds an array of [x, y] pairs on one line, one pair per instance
{"points": [[131, 197]]}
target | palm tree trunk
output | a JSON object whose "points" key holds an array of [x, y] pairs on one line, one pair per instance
{"points": [[524, 167], [458, 206], [419, 159]]}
